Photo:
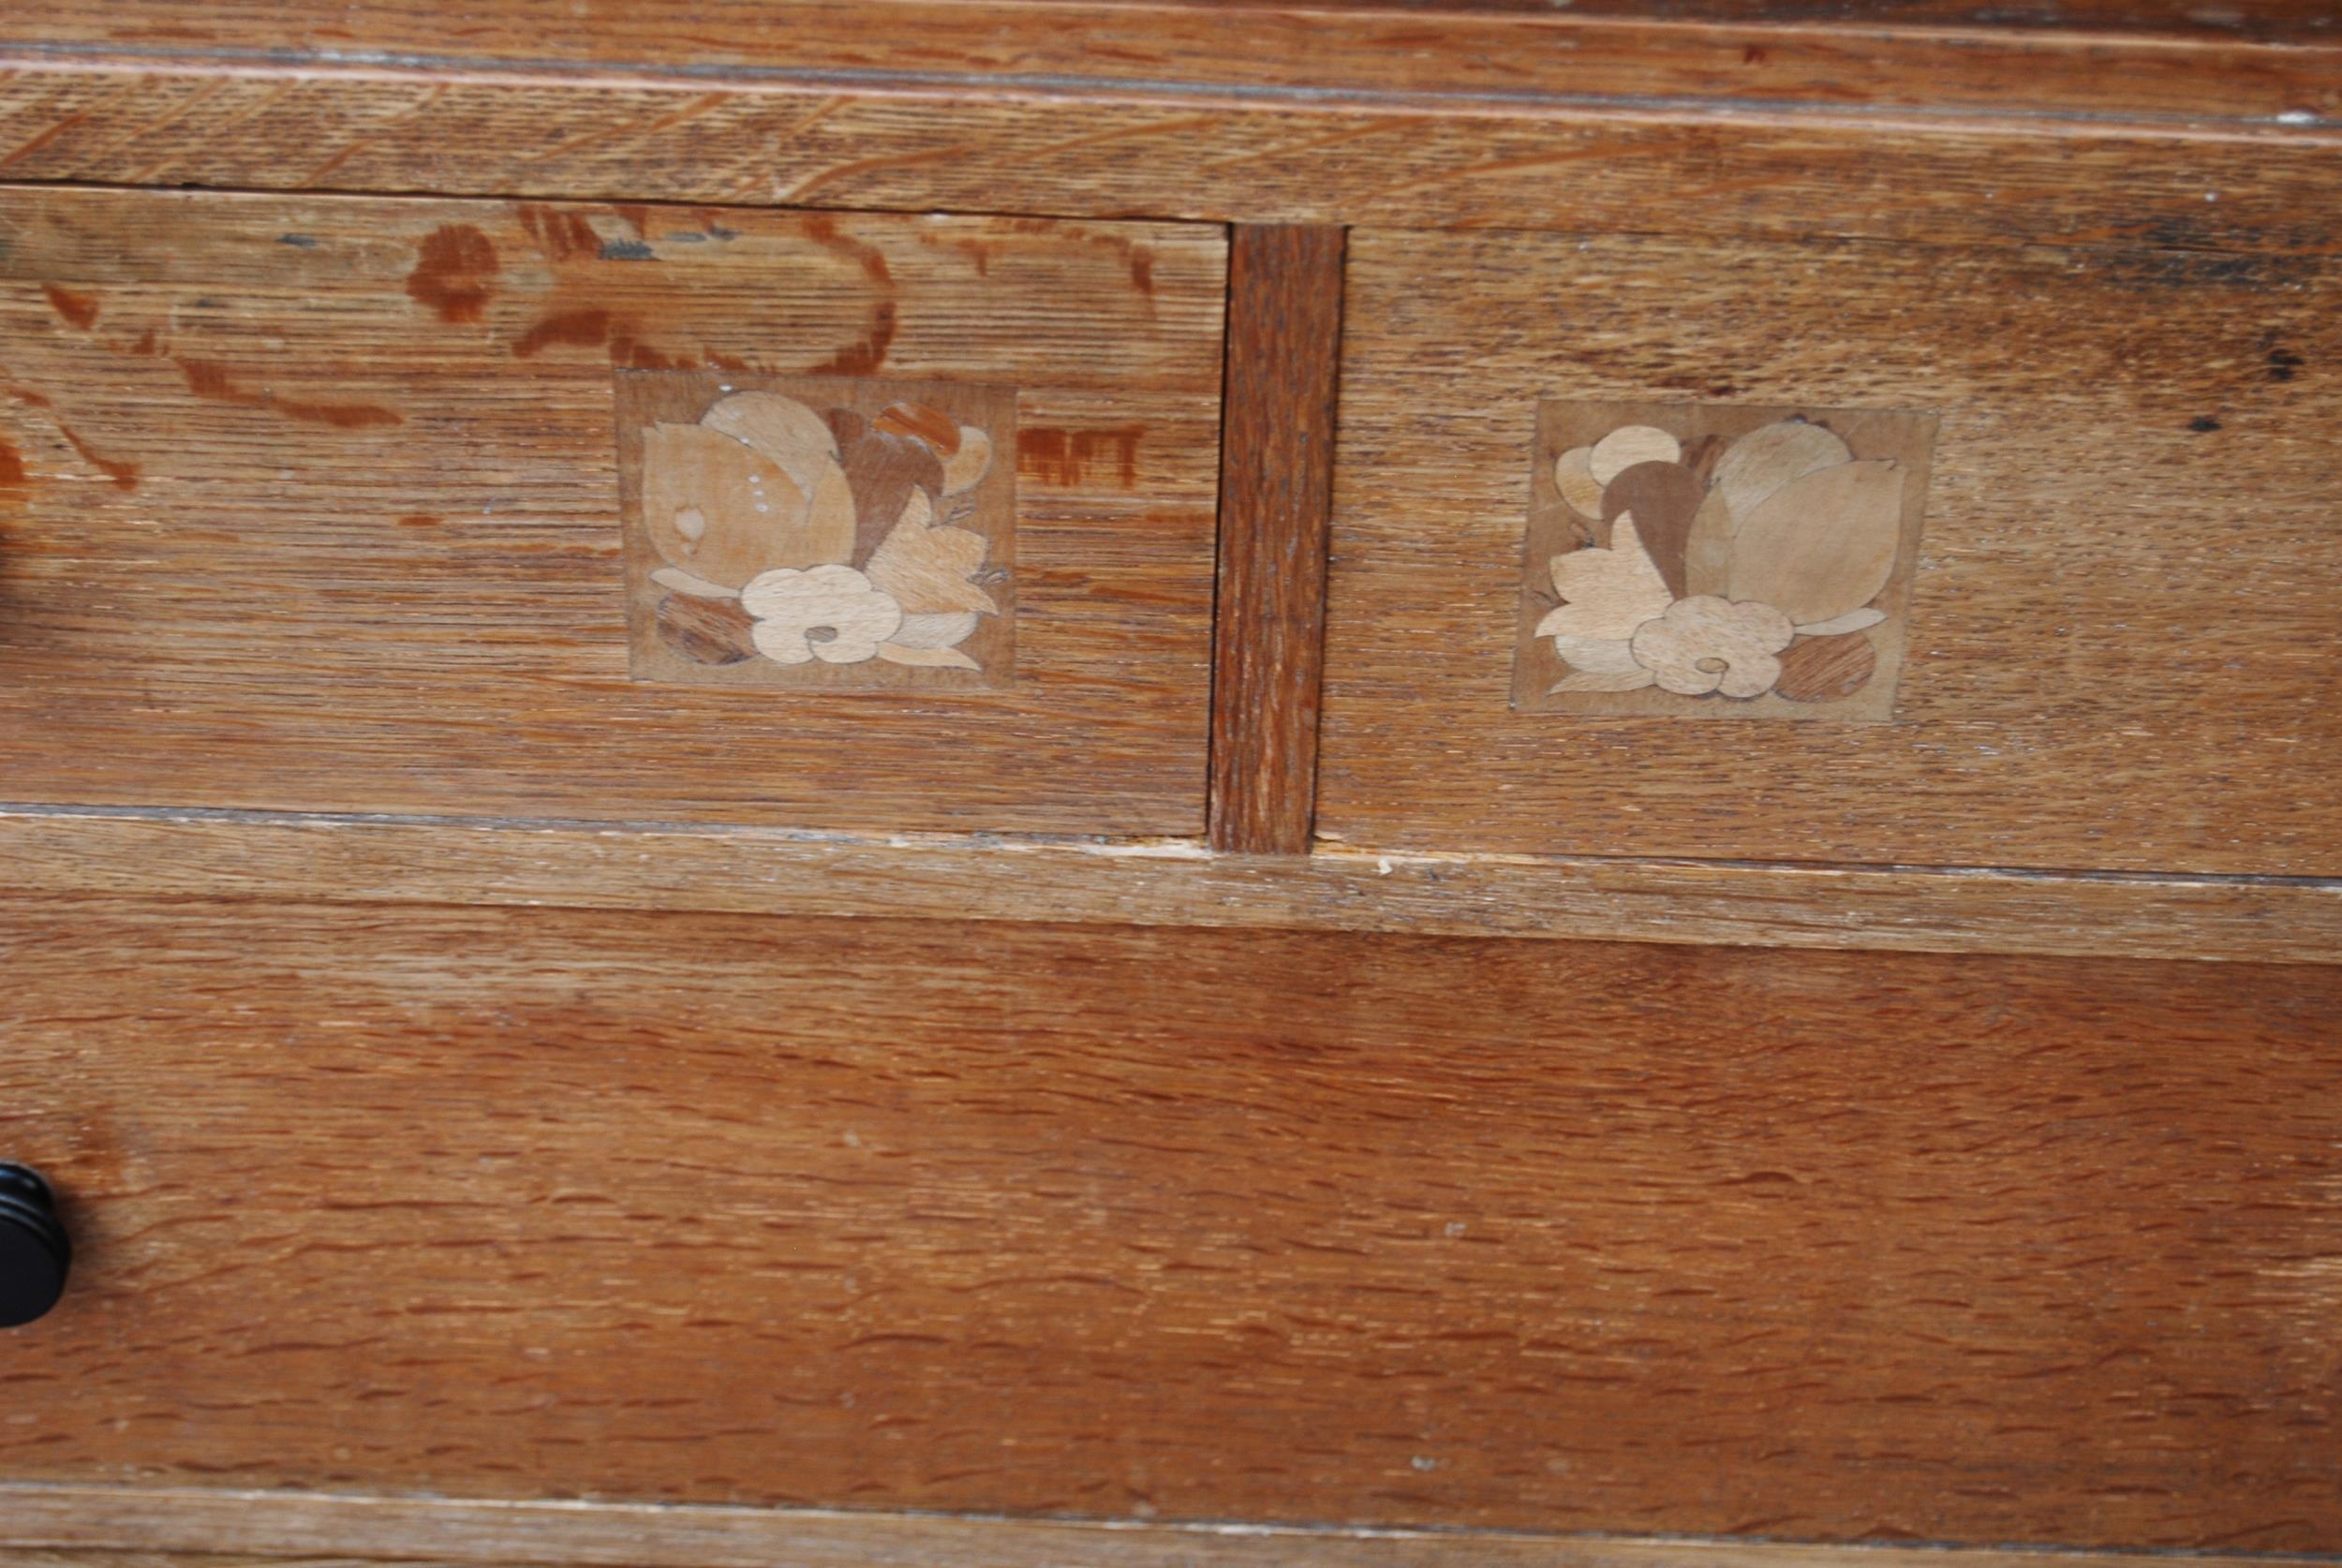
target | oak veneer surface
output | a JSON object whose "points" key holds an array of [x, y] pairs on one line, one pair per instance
{"points": [[294, 515], [154, 1527], [1181, 1224], [1178, 882], [1603, 167], [2121, 629], [2294, 20], [1532, 63]]}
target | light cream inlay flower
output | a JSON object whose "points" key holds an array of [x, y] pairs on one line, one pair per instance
{"points": [[1705, 643], [830, 613]]}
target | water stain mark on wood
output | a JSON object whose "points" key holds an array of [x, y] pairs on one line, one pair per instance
{"points": [[561, 233], [454, 272], [124, 473], [817, 533], [1067, 457], [212, 381], [866, 354], [78, 309], [577, 329], [593, 327], [1715, 560]]}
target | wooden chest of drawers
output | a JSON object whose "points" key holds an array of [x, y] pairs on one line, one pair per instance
{"points": [[1184, 783]]}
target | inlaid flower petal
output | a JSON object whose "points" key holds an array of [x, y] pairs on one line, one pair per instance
{"points": [[781, 428], [1704, 644], [1573, 475], [830, 613], [946, 631], [1823, 545], [965, 468], [1596, 657], [1771, 456], [1606, 593], [1853, 620], [931, 571], [1628, 445]]}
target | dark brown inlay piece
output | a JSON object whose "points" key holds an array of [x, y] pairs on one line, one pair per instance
{"points": [[1276, 487]]}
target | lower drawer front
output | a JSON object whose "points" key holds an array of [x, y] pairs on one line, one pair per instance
{"points": [[1189, 1224]]}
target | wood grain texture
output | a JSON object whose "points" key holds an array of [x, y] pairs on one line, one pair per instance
{"points": [[1251, 1225], [1749, 170], [1275, 492], [2273, 21], [171, 1527], [1528, 63], [2121, 626], [289, 536], [1175, 882]]}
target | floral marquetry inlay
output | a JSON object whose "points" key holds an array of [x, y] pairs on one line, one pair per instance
{"points": [[1720, 561], [817, 533]]}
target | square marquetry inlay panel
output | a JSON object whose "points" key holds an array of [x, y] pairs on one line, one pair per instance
{"points": [[1720, 561], [820, 533]]}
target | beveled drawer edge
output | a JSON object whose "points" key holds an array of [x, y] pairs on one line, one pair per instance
{"points": [[345, 859], [99, 1520]]}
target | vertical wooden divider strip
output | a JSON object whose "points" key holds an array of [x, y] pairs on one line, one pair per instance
{"points": [[1276, 498]]}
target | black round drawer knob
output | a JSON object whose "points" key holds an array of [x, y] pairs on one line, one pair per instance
{"points": [[35, 1251]]}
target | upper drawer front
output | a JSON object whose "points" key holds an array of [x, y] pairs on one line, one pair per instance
{"points": [[2103, 505], [315, 504]]}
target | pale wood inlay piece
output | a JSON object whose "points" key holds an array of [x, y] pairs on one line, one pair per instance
{"points": [[1572, 472], [1753, 468], [1823, 545]]}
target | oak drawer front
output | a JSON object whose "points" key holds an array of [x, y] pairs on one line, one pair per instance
{"points": [[1184, 1223], [315, 504], [2112, 616]]}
